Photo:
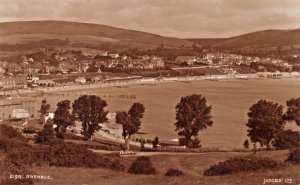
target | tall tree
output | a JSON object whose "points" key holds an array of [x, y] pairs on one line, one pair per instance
{"points": [[265, 122], [293, 110], [246, 144], [44, 108], [130, 121], [63, 118], [47, 134], [155, 142], [89, 110], [192, 115]]}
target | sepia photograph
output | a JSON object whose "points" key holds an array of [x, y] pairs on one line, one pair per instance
{"points": [[149, 92]]}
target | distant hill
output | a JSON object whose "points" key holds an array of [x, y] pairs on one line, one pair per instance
{"points": [[83, 35], [30, 35], [267, 39]]}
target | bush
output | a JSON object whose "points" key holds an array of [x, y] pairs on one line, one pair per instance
{"points": [[7, 131], [65, 155], [46, 135], [286, 139], [142, 165], [193, 143], [173, 172], [241, 164], [16, 182], [7, 167], [294, 156]]}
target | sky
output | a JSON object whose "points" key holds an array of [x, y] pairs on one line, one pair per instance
{"points": [[174, 18]]}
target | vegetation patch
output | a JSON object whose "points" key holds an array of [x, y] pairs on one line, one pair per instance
{"points": [[142, 165], [16, 182], [286, 139], [242, 164], [62, 154], [174, 172], [294, 156]]}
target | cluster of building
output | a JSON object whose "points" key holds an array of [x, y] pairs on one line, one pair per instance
{"points": [[218, 59], [18, 108]]}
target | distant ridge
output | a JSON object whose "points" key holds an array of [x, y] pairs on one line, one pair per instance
{"points": [[84, 33], [31, 33], [257, 40]]}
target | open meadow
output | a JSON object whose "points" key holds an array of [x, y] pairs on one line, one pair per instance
{"points": [[230, 102]]}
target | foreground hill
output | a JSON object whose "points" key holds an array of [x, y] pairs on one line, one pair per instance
{"points": [[267, 39], [83, 34]]}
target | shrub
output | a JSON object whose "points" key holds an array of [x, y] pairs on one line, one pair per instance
{"points": [[294, 156], [7, 167], [65, 155], [10, 144], [246, 144], [7, 131], [173, 172], [142, 165], [286, 139], [193, 143], [155, 142], [16, 182], [46, 135], [241, 164]]}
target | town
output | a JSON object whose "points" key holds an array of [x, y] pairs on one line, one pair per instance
{"points": [[66, 67], [111, 92]]}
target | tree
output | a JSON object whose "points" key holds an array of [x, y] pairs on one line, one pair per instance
{"points": [[192, 115], [89, 110], [62, 118], [155, 142], [47, 134], [44, 108], [130, 121], [246, 143], [293, 110], [143, 142], [286, 139], [265, 122]]}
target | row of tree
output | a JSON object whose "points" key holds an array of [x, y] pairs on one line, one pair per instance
{"points": [[266, 119], [89, 110]]}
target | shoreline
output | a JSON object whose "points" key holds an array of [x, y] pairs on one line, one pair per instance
{"points": [[143, 81]]}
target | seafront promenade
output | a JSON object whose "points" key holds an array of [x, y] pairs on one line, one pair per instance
{"points": [[142, 81]]}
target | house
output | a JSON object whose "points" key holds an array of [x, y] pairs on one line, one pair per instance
{"points": [[91, 53], [81, 80], [113, 54], [18, 108], [188, 59], [32, 79], [12, 83], [148, 65], [158, 63], [2, 71]]}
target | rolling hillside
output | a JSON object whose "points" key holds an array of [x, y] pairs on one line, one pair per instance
{"points": [[35, 34], [267, 39], [83, 34]]}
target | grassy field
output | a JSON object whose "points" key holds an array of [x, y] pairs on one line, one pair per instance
{"points": [[192, 165], [230, 102]]}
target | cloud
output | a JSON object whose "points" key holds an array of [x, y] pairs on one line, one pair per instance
{"points": [[180, 18]]}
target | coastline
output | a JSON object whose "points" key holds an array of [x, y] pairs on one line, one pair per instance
{"points": [[143, 81]]}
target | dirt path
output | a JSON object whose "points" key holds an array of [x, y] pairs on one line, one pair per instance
{"points": [[158, 153]]}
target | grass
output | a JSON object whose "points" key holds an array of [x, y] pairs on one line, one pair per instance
{"points": [[191, 165]]}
